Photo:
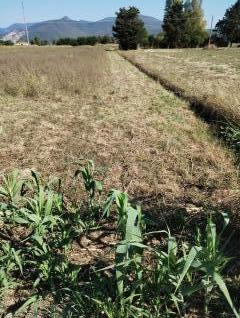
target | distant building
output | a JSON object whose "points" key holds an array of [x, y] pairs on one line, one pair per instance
{"points": [[22, 44]]}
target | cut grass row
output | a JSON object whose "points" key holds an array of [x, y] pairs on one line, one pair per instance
{"points": [[208, 79], [146, 141], [144, 138]]}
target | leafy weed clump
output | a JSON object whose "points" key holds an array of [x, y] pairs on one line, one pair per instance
{"points": [[39, 229]]}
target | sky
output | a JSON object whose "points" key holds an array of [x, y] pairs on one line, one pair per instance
{"points": [[93, 10]]}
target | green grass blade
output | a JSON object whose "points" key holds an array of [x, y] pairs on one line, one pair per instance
{"points": [[26, 304], [190, 258], [17, 258], [221, 284]]}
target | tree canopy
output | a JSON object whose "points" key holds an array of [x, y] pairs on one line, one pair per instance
{"points": [[129, 29], [174, 23], [184, 24], [85, 40], [229, 27], [195, 24]]}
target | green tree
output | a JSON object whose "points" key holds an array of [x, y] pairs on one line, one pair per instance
{"points": [[44, 42], [156, 41], [229, 27], [151, 41], [81, 40], [6, 43], [195, 27], [142, 38], [36, 41], [174, 24], [91, 40], [184, 24], [129, 29], [168, 5], [105, 39]]}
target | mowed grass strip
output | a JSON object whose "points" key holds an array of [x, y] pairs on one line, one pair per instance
{"points": [[145, 139], [207, 78]]}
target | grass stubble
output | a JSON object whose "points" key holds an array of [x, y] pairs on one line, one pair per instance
{"points": [[209, 78], [146, 140], [62, 105]]}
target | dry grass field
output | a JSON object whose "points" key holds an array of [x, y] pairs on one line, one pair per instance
{"points": [[51, 73], [208, 77], [61, 105]]}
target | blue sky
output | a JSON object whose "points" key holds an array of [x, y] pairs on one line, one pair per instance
{"points": [[38, 10]]}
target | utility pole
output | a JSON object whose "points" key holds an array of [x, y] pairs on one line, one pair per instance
{"points": [[210, 35], [26, 26]]}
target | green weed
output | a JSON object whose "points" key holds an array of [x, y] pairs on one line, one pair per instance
{"points": [[166, 280]]}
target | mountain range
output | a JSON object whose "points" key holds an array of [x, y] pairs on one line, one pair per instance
{"points": [[66, 27]]}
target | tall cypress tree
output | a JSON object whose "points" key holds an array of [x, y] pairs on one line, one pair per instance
{"points": [[229, 27], [174, 24], [129, 29]]}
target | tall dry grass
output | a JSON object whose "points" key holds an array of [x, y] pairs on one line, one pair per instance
{"points": [[50, 72]]}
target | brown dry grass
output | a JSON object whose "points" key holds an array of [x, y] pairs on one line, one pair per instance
{"points": [[208, 77], [51, 72], [93, 104]]}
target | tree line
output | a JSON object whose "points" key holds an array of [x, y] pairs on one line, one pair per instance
{"points": [[6, 43], [183, 26], [85, 40], [228, 28]]}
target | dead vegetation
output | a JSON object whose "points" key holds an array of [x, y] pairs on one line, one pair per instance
{"points": [[51, 73], [145, 140], [208, 78], [86, 103]]}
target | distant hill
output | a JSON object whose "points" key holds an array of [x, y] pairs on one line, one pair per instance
{"points": [[65, 27]]}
